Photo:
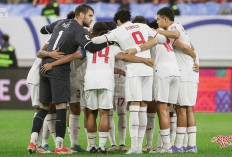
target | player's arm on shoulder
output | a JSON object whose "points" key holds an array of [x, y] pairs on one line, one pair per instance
{"points": [[169, 33], [79, 54], [119, 71], [135, 59], [187, 49], [147, 45]]}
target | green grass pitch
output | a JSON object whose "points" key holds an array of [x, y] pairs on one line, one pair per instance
{"points": [[15, 128]]}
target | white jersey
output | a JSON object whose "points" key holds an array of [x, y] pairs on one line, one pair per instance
{"points": [[100, 68], [165, 63], [75, 65], [130, 35], [33, 75], [185, 61], [119, 89]]}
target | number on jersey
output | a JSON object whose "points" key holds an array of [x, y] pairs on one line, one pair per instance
{"points": [[168, 46], [101, 55], [138, 37]]}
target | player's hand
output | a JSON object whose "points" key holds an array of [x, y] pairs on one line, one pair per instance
{"points": [[131, 51], [149, 62], [55, 54], [195, 67], [45, 68], [121, 73]]}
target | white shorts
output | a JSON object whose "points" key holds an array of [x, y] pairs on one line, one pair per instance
{"points": [[34, 90], [139, 88], [187, 95], [75, 90], [166, 89], [99, 99]]}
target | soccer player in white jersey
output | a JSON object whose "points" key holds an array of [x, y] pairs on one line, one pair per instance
{"points": [[189, 80], [99, 86], [138, 76]]}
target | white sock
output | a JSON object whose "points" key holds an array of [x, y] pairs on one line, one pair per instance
{"points": [[92, 139], [165, 135], [134, 125], [172, 129], [34, 137], [122, 125], [112, 128], [102, 139], [150, 128], [87, 137], [142, 125], [59, 142], [185, 142], [180, 132], [51, 124], [74, 127], [192, 135], [159, 142], [46, 132]]}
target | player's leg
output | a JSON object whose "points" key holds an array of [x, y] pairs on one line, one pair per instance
{"points": [[151, 110], [172, 125], [112, 132], [122, 122], [142, 124], [92, 105]]}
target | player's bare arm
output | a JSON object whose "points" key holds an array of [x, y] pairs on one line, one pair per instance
{"points": [[119, 71], [187, 49], [63, 60], [135, 59], [53, 54], [147, 45], [169, 34]]}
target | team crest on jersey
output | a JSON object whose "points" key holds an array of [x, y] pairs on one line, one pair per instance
{"points": [[87, 37], [65, 25], [173, 28]]}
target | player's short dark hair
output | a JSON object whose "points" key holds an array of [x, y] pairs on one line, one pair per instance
{"points": [[166, 12], [84, 8], [111, 25], [140, 19], [5, 37], [153, 24], [71, 15], [123, 15], [99, 27]]}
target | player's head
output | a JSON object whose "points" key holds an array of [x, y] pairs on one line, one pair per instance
{"points": [[153, 24], [98, 28], [71, 15], [122, 16], [164, 17], [85, 13], [140, 19], [111, 25], [5, 38]]}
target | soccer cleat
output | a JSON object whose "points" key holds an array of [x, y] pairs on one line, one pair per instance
{"points": [[112, 148], [191, 149], [31, 148], [41, 150], [46, 147], [93, 150], [147, 148], [184, 149], [155, 150], [131, 151], [177, 150], [64, 150], [123, 148], [77, 148], [100, 151]]}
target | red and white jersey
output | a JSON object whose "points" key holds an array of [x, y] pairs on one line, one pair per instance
{"points": [[165, 63], [185, 61], [131, 35], [100, 68], [33, 75]]}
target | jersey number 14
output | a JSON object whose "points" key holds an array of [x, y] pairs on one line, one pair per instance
{"points": [[101, 55]]}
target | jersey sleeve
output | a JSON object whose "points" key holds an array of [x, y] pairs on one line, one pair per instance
{"points": [[116, 50], [160, 38], [105, 38], [172, 28], [49, 28], [47, 41], [82, 38]]}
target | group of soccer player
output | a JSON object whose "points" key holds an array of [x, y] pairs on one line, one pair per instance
{"points": [[152, 69]]}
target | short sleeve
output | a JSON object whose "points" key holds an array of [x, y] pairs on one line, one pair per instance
{"points": [[111, 36], [49, 28], [172, 28], [47, 41]]}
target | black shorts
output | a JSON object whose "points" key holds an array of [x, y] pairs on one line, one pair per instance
{"points": [[53, 90]]}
